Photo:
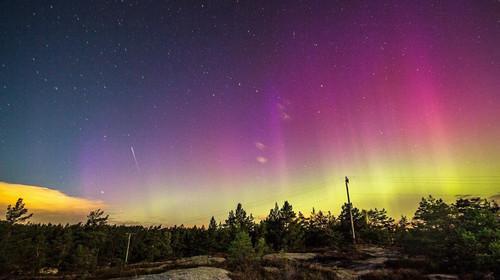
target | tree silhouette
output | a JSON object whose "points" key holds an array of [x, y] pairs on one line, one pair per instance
{"points": [[212, 226], [238, 220], [282, 228], [459, 237], [96, 218], [18, 213]]}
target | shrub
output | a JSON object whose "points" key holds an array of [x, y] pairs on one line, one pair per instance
{"points": [[240, 251]]}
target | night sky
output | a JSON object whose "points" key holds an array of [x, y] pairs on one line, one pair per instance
{"points": [[173, 111]]}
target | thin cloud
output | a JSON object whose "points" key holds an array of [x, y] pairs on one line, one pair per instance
{"points": [[261, 146], [261, 160], [283, 112]]}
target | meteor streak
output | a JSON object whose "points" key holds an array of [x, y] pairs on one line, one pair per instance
{"points": [[135, 159]]}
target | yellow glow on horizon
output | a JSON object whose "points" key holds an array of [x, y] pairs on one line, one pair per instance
{"points": [[47, 203]]}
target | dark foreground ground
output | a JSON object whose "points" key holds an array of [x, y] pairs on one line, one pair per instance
{"points": [[365, 262]]}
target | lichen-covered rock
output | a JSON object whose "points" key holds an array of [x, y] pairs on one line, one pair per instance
{"points": [[49, 271], [197, 273], [441, 277], [199, 260], [277, 257], [271, 271], [182, 262]]}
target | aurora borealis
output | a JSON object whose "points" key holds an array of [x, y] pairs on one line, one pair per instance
{"points": [[171, 112]]}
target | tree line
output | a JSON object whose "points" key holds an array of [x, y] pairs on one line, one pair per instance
{"points": [[461, 236]]}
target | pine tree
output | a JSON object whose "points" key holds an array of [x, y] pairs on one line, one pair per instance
{"points": [[238, 220], [240, 250], [96, 218], [212, 226], [345, 221], [292, 232], [272, 228], [282, 228], [18, 213], [261, 247]]}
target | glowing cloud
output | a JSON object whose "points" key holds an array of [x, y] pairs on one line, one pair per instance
{"points": [[261, 160], [261, 146], [47, 204]]}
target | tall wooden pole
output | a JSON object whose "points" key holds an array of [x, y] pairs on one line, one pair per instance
{"points": [[350, 210], [128, 246]]}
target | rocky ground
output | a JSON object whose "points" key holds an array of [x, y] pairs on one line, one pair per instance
{"points": [[197, 273], [183, 268], [366, 262]]}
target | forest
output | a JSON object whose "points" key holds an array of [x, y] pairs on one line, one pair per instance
{"points": [[462, 236]]}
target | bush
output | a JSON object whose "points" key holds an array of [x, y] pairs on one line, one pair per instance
{"points": [[240, 251], [261, 248]]}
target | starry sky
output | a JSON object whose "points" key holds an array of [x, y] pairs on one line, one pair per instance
{"points": [[173, 111]]}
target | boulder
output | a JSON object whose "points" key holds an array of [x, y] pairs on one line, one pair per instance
{"points": [[197, 273], [48, 271]]}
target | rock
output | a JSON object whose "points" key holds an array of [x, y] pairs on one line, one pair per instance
{"points": [[368, 265], [199, 260], [182, 262], [345, 274], [395, 274], [364, 262], [271, 271], [441, 277], [48, 270], [289, 257], [197, 273], [375, 251], [333, 272], [158, 270]]}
